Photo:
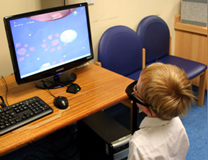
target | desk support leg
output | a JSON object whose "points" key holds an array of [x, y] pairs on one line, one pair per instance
{"points": [[134, 118], [137, 117]]}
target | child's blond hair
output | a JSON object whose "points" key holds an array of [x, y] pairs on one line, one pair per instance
{"points": [[167, 88]]}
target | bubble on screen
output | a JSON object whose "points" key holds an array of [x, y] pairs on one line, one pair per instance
{"points": [[55, 42], [57, 34], [46, 65], [21, 59], [52, 50], [50, 37], [32, 48], [21, 51], [18, 45], [59, 48], [68, 36], [44, 45], [61, 60]]}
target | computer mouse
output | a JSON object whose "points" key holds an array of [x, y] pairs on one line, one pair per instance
{"points": [[73, 88], [61, 102]]}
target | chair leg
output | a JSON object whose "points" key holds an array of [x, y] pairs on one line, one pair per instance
{"points": [[135, 117], [98, 64], [131, 125], [202, 83], [143, 58], [129, 104]]}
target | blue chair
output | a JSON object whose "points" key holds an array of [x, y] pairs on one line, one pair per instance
{"points": [[155, 40], [120, 51]]}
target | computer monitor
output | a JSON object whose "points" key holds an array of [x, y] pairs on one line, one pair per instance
{"points": [[47, 43]]}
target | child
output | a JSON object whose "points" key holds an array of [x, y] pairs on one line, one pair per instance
{"points": [[164, 93]]}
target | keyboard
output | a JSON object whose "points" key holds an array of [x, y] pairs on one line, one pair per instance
{"points": [[22, 113]]}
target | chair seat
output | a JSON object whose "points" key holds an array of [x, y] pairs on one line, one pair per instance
{"points": [[135, 75], [191, 68]]}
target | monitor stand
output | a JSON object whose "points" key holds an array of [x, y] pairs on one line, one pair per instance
{"points": [[56, 81]]}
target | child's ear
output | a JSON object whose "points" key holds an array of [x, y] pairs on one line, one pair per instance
{"points": [[146, 110]]}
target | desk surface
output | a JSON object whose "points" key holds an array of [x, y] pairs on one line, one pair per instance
{"points": [[101, 88]]}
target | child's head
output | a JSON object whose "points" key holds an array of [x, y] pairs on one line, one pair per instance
{"points": [[167, 88]]}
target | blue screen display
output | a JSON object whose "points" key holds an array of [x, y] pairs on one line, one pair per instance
{"points": [[48, 40]]}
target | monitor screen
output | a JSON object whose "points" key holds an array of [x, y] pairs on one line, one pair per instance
{"points": [[48, 42]]}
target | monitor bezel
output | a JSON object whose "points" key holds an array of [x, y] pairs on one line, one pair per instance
{"points": [[55, 70]]}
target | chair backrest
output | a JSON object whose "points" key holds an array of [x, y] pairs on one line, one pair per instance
{"points": [[120, 51], [155, 37]]}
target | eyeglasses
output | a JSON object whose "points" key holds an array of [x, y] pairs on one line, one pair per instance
{"points": [[133, 94], [137, 98]]}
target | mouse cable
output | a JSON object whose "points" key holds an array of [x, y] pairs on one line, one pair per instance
{"points": [[2, 104], [47, 89], [5, 83]]}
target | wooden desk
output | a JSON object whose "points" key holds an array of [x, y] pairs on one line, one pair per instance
{"points": [[100, 88]]}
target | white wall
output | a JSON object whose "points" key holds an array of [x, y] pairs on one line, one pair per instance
{"points": [[103, 14]]}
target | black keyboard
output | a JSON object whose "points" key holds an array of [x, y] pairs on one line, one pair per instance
{"points": [[22, 113]]}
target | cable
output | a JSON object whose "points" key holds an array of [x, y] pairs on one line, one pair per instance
{"points": [[2, 104], [5, 83], [52, 82], [47, 89]]}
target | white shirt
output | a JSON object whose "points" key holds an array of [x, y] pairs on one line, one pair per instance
{"points": [[159, 140]]}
